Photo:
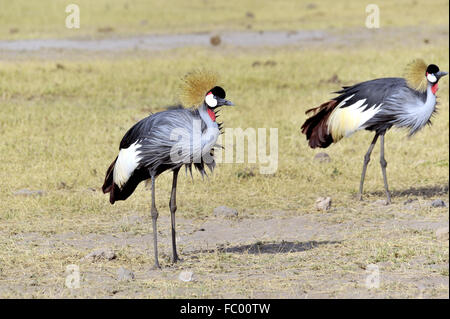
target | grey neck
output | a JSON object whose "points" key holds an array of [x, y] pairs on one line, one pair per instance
{"points": [[203, 111]]}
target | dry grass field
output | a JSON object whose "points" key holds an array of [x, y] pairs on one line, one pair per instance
{"points": [[45, 18], [63, 113]]}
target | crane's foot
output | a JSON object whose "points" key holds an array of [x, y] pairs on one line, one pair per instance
{"points": [[156, 266], [176, 259], [359, 196], [388, 199]]}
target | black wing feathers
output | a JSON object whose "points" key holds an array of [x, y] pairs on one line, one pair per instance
{"points": [[136, 132], [374, 91], [142, 132]]}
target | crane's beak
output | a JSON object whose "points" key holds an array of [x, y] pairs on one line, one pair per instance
{"points": [[221, 102], [441, 74]]}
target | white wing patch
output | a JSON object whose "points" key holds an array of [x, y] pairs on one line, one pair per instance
{"points": [[126, 163], [345, 121]]}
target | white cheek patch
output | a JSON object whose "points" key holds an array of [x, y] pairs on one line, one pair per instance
{"points": [[431, 78], [210, 100]]}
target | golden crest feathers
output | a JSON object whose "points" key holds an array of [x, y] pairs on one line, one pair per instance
{"points": [[415, 75], [195, 86]]}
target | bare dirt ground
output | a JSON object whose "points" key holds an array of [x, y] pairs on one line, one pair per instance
{"points": [[307, 242], [383, 37]]}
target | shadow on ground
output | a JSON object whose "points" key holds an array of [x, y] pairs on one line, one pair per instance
{"points": [[427, 192], [272, 248]]}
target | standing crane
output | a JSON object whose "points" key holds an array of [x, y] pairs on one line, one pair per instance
{"points": [[376, 105], [168, 140]]}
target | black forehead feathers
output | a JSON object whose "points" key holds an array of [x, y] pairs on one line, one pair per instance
{"points": [[218, 91], [432, 68]]}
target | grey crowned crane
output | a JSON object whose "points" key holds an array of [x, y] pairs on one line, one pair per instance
{"points": [[168, 140], [376, 105]]}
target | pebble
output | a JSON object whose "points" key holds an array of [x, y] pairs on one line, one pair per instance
{"points": [[323, 203], [380, 202], [186, 276], [124, 274], [438, 203], [107, 254], [224, 211], [215, 40], [322, 157]]}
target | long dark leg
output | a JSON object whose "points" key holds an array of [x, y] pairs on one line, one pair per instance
{"points": [[154, 213], [173, 209], [366, 162], [383, 164]]}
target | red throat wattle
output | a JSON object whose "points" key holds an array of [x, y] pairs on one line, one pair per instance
{"points": [[212, 115], [434, 88]]}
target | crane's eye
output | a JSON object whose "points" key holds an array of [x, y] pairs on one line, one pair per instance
{"points": [[210, 100]]}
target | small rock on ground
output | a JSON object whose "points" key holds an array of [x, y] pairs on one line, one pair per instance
{"points": [[323, 203], [215, 40], [186, 276], [27, 192], [442, 234], [224, 211], [380, 202], [322, 157], [124, 274], [106, 254], [438, 203]]}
